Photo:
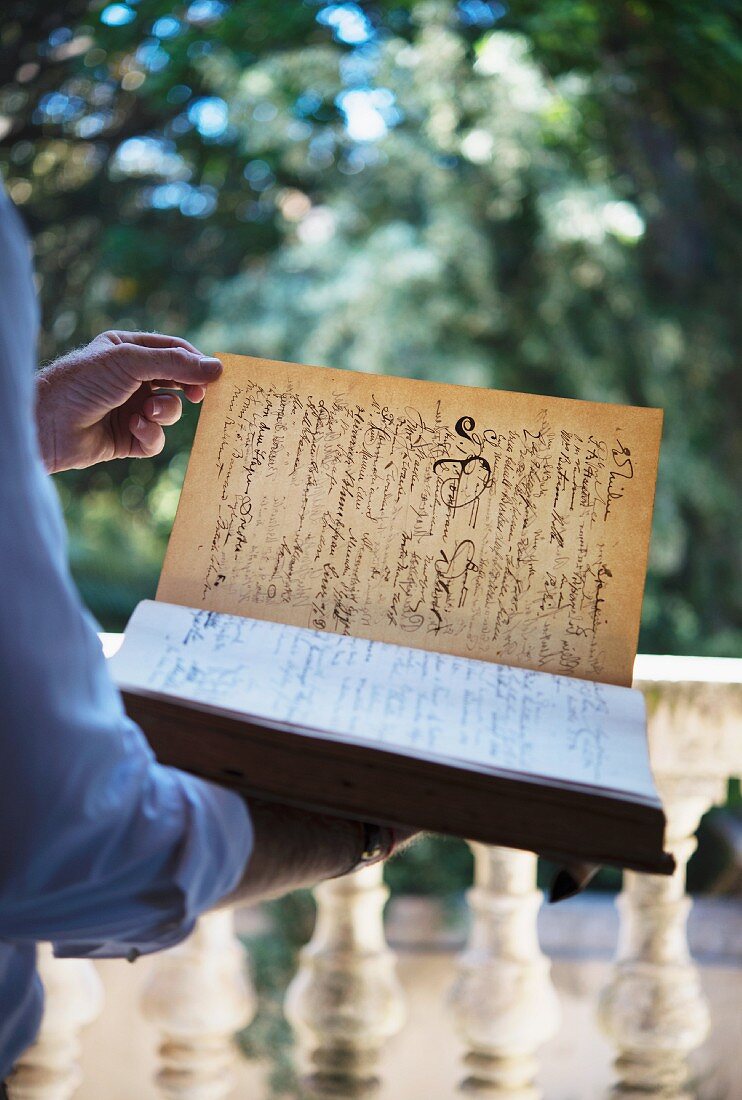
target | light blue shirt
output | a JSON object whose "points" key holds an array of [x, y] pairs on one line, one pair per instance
{"points": [[103, 851]]}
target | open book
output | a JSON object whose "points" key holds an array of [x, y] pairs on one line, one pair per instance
{"points": [[410, 602]]}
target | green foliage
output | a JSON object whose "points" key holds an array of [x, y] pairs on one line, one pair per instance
{"points": [[545, 200], [274, 958], [435, 865]]}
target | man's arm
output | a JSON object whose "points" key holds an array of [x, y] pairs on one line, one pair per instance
{"points": [[104, 401], [294, 848], [103, 849]]}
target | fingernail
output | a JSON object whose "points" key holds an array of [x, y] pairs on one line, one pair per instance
{"points": [[139, 423], [210, 365]]}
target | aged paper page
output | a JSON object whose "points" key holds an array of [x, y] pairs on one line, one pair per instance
{"points": [[420, 703], [502, 526]]}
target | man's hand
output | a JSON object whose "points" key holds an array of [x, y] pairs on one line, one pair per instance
{"points": [[102, 401]]}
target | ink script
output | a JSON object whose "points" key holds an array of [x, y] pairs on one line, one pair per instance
{"points": [[500, 526], [387, 696]]}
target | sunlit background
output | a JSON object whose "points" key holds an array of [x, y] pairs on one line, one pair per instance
{"points": [[536, 196]]}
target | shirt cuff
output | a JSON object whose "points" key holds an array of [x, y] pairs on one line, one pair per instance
{"points": [[211, 861]]}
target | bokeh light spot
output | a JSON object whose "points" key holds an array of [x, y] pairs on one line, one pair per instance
{"points": [[210, 116], [166, 27], [477, 13], [117, 15], [368, 112], [348, 22], [204, 11]]}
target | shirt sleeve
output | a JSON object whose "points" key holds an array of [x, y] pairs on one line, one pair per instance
{"points": [[103, 851]]}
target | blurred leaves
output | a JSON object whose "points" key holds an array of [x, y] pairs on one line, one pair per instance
{"points": [[541, 197]]}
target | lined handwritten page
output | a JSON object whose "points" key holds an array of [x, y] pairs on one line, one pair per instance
{"points": [[408, 700], [500, 526]]}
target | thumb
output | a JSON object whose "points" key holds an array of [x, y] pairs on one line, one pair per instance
{"points": [[175, 364]]}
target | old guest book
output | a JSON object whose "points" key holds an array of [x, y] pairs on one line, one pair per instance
{"points": [[410, 602]]}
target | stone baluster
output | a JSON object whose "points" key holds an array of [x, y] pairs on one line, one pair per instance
{"points": [[504, 1003], [73, 998], [654, 1010], [198, 996], [345, 1000]]}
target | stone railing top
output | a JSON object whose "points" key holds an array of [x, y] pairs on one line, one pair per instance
{"points": [[668, 669], [694, 712], [694, 706], [111, 643]]}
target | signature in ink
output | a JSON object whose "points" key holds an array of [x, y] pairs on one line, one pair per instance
{"points": [[618, 478]]}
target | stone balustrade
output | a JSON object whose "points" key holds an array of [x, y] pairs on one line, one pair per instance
{"points": [[653, 1009], [346, 1002], [198, 996], [503, 1001]]}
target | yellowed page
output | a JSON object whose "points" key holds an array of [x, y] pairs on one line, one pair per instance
{"points": [[501, 526]]}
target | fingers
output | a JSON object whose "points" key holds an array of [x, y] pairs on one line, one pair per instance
{"points": [[193, 393], [163, 408], [158, 411], [149, 438], [174, 365], [148, 340]]}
